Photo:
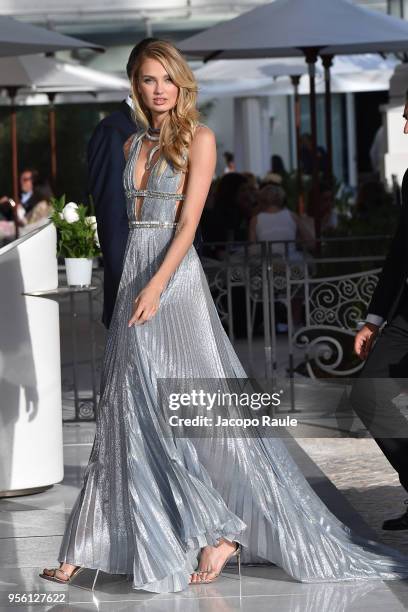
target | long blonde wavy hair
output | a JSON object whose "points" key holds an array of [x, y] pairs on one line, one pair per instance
{"points": [[178, 128]]}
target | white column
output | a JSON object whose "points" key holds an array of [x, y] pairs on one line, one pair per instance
{"points": [[251, 135], [351, 139]]}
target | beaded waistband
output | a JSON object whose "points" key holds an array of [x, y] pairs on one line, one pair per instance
{"points": [[136, 224], [158, 194]]}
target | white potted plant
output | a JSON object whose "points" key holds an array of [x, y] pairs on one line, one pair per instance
{"points": [[78, 240]]}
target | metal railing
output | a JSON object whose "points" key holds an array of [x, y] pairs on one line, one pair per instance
{"points": [[253, 286]]}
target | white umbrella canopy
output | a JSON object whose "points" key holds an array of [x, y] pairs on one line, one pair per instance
{"points": [[17, 38], [223, 78], [237, 77], [250, 68], [288, 27], [47, 74]]}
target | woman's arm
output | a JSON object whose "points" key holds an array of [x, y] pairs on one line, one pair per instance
{"points": [[203, 157]]}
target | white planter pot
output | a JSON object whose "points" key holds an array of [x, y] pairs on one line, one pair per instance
{"points": [[79, 271]]}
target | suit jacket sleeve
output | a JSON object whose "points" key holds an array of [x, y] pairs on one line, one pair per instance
{"points": [[106, 164], [392, 275]]}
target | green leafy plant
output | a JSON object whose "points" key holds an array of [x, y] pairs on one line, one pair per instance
{"points": [[77, 232]]}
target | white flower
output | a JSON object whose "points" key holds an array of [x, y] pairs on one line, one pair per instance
{"points": [[70, 214], [91, 221], [71, 205]]}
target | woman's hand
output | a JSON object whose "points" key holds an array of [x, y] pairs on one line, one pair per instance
{"points": [[146, 304]]}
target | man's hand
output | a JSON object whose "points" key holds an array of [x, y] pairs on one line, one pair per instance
{"points": [[364, 340]]}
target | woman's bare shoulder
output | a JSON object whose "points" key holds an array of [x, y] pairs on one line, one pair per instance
{"points": [[201, 128], [203, 136]]}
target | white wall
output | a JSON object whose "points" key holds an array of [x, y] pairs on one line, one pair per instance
{"points": [[221, 121], [273, 134]]}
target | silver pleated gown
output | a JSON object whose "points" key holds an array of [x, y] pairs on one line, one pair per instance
{"points": [[149, 502]]}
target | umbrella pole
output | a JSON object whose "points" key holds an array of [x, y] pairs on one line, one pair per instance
{"points": [[53, 138], [301, 205], [311, 58], [327, 63], [12, 91]]}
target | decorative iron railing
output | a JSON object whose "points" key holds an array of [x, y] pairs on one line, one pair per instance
{"points": [[281, 309]]}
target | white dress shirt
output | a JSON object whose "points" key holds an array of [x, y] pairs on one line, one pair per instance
{"points": [[374, 319], [25, 196], [129, 101]]}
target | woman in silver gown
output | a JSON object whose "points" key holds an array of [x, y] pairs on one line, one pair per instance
{"points": [[153, 506]]}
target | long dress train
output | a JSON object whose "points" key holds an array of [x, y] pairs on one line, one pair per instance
{"points": [[149, 502]]}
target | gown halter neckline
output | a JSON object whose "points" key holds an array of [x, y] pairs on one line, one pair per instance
{"points": [[138, 141]]}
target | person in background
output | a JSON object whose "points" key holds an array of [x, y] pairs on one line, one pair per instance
{"points": [[327, 211], [277, 166], [272, 178], [229, 162], [6, 208], [306, 156], [252, 180], [247, 199], [35, 213], [229, 207], [327, 208], [29, 196], [274, 221], [39, 211], [28, 177]]}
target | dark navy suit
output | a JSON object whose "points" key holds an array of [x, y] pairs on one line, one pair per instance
{"points": [[106, 163]]}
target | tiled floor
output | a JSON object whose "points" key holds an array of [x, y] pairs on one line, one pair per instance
{"points": [[31, 528]]}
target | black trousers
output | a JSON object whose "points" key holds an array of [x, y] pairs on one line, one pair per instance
{"points": [[383, 377]]}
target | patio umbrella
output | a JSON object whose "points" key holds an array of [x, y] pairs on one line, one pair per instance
{"points": [[17, 38], [48, 75], [302, 27]]}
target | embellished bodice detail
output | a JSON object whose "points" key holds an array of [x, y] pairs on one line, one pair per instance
{"points": [[160, 195]]}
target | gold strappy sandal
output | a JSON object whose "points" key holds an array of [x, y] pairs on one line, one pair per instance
{"points": [[237, 553], [53, 577]]}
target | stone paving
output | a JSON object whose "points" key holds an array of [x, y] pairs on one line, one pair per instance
{"points": [[362, 474]]}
